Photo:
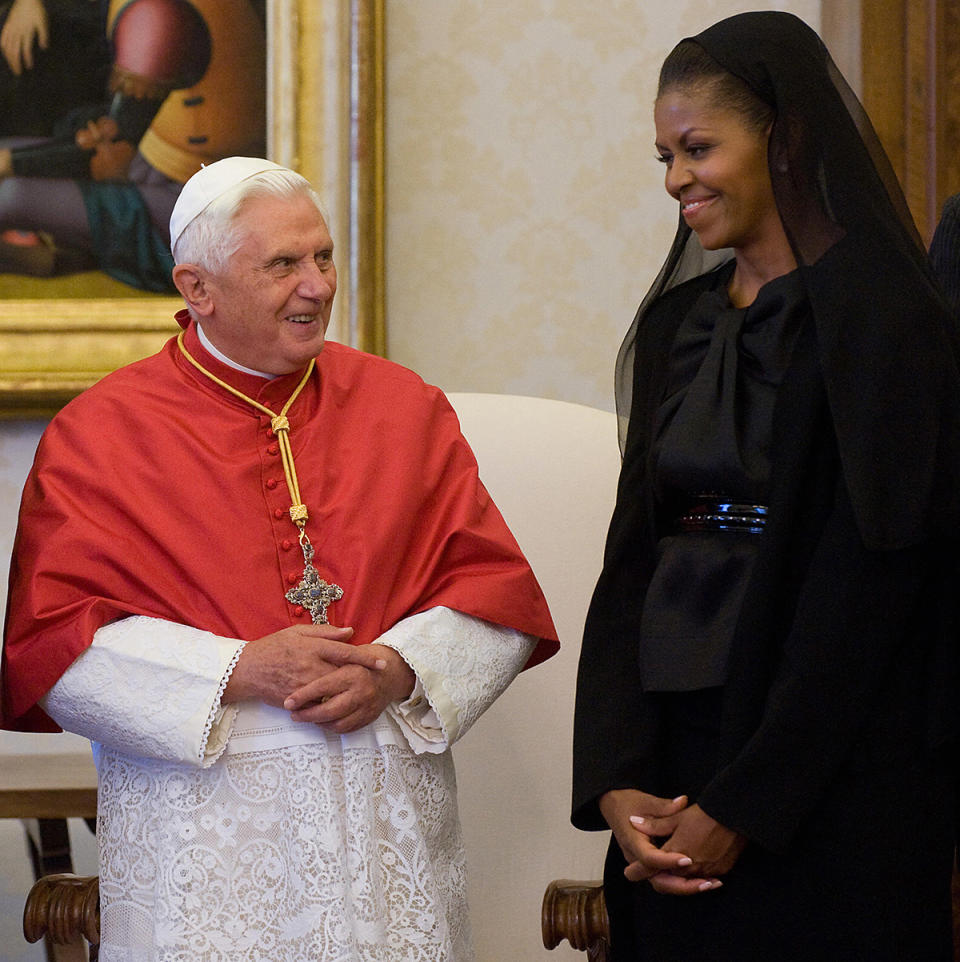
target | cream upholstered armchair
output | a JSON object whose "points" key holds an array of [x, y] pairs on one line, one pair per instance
{"points": [[551, 467]]}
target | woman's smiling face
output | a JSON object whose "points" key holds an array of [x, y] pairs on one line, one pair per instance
{"points": [[717, 169]]}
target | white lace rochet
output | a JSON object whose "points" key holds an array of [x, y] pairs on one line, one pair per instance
{"points": [[229, 835]]}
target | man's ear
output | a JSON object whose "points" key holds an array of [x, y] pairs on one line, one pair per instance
{"points": [[190, 282]]}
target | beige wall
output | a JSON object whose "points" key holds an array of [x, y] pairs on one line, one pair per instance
{"points": [[525, 212], [525, 219]]}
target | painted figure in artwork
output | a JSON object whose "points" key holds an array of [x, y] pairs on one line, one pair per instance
{"points": [[186, 87]]}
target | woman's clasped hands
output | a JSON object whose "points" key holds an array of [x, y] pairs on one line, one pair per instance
{"points": [[674, 845]]}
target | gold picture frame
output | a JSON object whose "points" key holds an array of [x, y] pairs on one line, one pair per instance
{"points": [[325, 66]]}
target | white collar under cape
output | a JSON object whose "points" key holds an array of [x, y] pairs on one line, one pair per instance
{"points": [[220, 356]]}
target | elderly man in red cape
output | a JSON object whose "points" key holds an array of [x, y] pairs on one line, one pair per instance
{"points": [[261, 574]]}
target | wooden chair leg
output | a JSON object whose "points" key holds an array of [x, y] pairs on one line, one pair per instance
{"points": [[577, 912], [64, 910], [48, 840], [48, 843]]}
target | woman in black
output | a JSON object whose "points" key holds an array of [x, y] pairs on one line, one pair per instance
{"points": [[766, 708]]}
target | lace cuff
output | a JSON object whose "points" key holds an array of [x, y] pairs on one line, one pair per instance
{"points": [[462, 665], [419, 723], [151, 688]]}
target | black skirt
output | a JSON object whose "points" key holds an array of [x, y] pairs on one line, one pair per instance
{"points": [[867, 880]]}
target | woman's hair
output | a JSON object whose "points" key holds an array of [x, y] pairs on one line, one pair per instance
{"points": [[211, 238], [689, 65]]}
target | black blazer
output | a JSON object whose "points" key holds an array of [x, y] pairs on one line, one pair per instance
{"points": [[832, 636]]}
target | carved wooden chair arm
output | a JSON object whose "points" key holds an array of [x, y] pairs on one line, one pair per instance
{"points": [[576, 911], [65, 908]]}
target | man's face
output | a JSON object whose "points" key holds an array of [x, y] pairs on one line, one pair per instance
{"points": [[271, 305]]}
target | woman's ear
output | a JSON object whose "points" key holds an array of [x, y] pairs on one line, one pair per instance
{"points": [[189, 281], [779, 162]]}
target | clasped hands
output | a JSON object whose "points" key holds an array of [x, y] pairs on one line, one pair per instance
{"points": [[318, 676], [27, 24], [697, 849]]}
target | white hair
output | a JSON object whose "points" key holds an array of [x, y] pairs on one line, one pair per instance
{"points": [[211, 238]]}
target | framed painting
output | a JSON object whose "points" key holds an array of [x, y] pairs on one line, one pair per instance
{"points": [[325, 119]]}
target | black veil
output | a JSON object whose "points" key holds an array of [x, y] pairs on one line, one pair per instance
{"points": [[887, 345]]}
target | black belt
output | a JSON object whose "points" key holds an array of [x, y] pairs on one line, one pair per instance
{"points": [[716, 513]]}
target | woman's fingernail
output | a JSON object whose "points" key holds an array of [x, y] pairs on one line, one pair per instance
{"points": [[713, 884], [685, 861], [637, 819]]}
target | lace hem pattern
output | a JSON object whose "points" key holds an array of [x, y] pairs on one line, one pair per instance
{"points": [[299, 853]]}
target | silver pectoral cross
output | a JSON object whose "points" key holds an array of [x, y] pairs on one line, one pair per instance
{"points": [[313, 593]]}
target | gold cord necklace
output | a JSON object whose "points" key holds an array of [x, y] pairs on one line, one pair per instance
{"points": [[312, 593]]}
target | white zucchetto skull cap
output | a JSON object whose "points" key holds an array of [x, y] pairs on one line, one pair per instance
{"points": [[210, 182]]}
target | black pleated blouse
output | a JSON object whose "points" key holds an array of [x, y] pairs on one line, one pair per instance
{"points": [[711, 437]]}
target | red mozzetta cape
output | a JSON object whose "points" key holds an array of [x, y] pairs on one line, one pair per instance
{"points": [[156, 492]]}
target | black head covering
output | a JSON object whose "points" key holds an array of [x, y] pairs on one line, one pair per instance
{"points": [[888, 347], [945, 252]]}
